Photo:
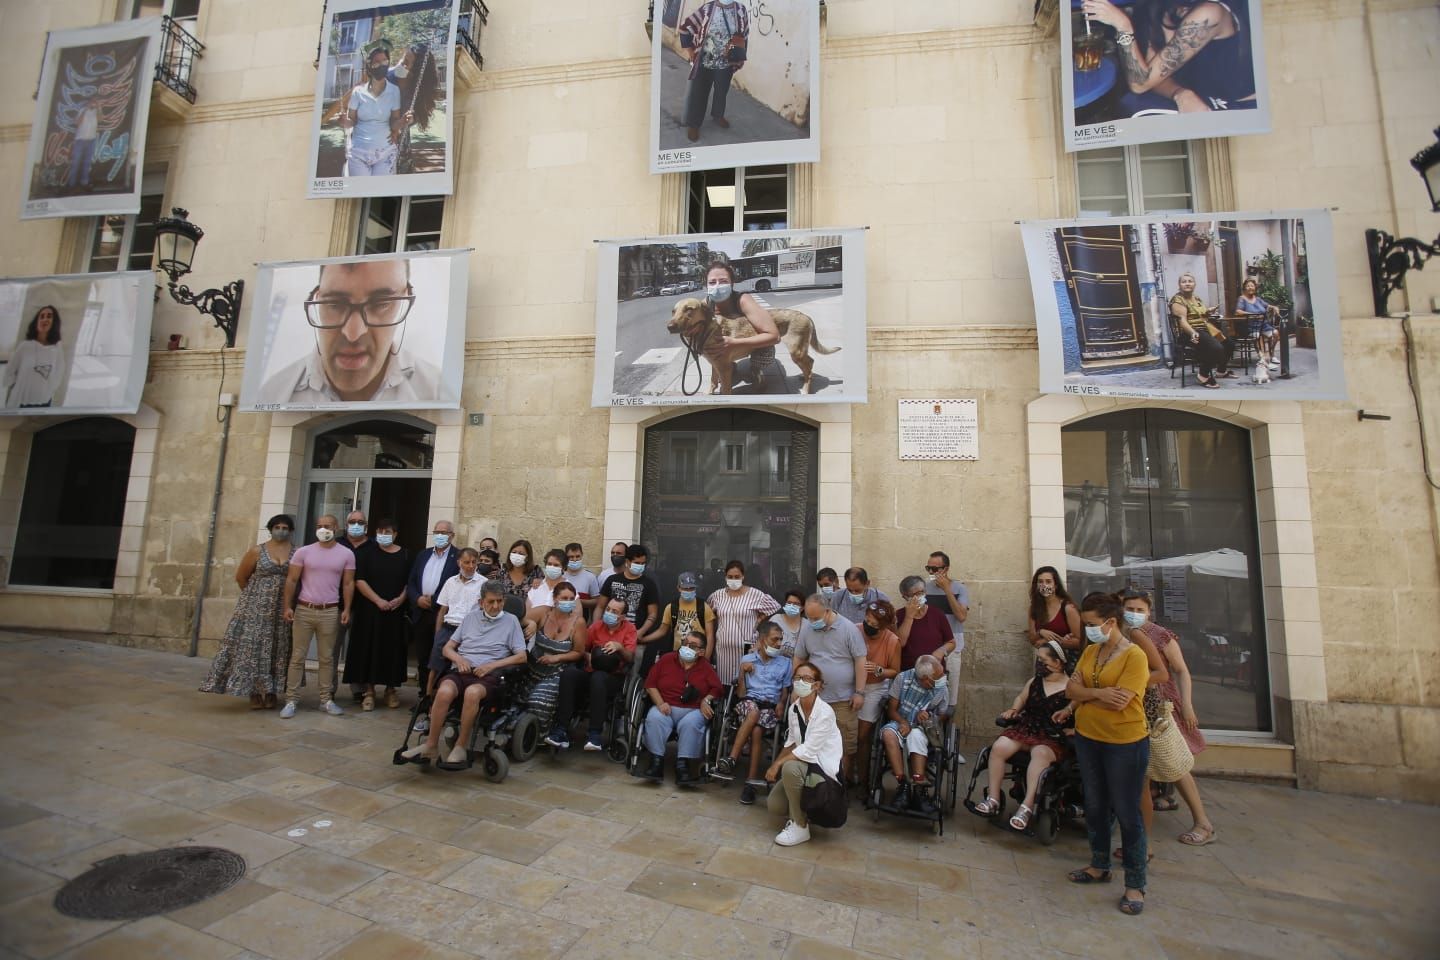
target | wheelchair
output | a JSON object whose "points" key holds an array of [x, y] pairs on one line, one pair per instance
{"points": [[1059, 796], [725, 738], [942, 774], [635, 746], [619, 715]]}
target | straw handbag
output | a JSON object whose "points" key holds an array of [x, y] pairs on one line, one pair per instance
{"points": [[1170, 756]]}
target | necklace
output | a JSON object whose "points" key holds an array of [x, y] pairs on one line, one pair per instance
{"points": [[1100, 665]]}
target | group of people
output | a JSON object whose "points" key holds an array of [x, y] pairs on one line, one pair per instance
{"points": [[1214, 351]]}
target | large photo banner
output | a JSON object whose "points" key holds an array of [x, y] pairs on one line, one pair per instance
{"points": [[1145, 71], [74, 344], [384, 107], [1220, 305], [773, 317], [734, 83], [357, 333], [87, 141]]}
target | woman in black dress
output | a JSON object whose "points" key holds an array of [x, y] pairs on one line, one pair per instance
{"points": [[1037, 718], [377, 634]]}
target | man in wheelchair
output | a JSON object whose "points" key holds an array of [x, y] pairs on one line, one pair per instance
{"points": [[487, 641], [764, 678], [917, 698], [683, 688]]}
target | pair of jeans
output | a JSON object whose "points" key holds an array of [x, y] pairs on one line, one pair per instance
{"points": [[602, 688], [1114, 776], [689, 722], [699, 93], [324, 626], [82, 155]]}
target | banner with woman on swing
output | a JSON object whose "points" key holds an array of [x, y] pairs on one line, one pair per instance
{"points": [[383, 100]]}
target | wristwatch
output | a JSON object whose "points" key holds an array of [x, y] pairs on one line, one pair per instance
{"points": [[1124, 39]]}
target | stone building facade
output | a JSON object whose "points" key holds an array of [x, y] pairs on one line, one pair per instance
{"points": [[941, 129]]}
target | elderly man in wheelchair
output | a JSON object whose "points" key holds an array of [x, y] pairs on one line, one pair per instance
{"points": [[917, 698], [487, 641]]}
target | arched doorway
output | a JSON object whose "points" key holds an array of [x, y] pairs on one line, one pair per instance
{"points": [[1164, 500], [380, 466], [721, 485]]}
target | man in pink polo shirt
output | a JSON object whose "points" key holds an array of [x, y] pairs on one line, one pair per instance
{"points": [[321, 573]]}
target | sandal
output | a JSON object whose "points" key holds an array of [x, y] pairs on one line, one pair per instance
{"points": [[1131, 908], [1198, 837], [1227, 375], [392, 698], [257, 702], [987, 807], [1021, 820], [1085, 876], [368, 703], [1210, 384]]}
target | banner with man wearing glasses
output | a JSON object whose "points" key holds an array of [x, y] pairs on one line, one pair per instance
{"points": [[382, 332]]}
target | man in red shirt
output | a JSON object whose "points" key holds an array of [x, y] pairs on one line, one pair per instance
{"points": [[683, 687], [610, 646]]}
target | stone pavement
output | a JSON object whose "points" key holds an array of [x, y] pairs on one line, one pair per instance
{"points": [[110, 750]]}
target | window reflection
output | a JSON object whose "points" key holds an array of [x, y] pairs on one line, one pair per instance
{"points": [[374, 445]]}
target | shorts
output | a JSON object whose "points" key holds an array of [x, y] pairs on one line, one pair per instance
{"points": [[464, 681], [916, 741], [767, 718], [437, 649], [846, 720], [874, 697]]}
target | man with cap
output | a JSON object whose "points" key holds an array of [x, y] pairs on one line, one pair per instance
{"points": [[685, 613]]}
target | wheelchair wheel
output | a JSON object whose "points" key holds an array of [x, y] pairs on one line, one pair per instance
{"points": [[1046, 826], [618, 750], [496, 766], [525, 737]]}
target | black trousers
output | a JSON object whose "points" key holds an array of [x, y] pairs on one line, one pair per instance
{"points": [[422, 637], [600, 688], [1211, 353], [699, 92]]}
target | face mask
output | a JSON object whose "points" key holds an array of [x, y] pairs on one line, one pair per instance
{"points": [[1042, 670], [610, 618], [870, 630], [1046, 589], [442, 540], [324, 534], [721, 291], [552, 572], [492, 617], [826, 591], [1094, 634], [687, 595], [378, 71], [401, 72], [485, 569], [565, 606], [1134, 618], [920, 601], [385, 539], [817, 624], [575, 564], [792, 609], [637, 568], [803, 688], [688, 654], [617, 561], [858, 597], [930, 577], [734, 583], [356, 529], [775, 651], [517, 559], [281, 535]]}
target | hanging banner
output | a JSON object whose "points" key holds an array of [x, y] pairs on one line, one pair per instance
{"points": [[74, 344], [384, 100], [773, 317], [87, 141], [1224, 305], [1159, 70], [358, 333], [734, 83]]}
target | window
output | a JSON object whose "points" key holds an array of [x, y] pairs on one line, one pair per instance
{"points": [[734, 456], [174, 9], [119, 242], [684, 474], [1130, 181], [74, 505], [782, 463], [745, 198], [397, 224], [346, 42]]}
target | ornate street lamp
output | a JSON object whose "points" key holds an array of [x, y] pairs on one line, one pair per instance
{"points": [[1390, 257], [175, 241]]}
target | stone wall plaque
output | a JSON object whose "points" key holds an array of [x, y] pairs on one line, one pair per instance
{"points": [[939, 430]]}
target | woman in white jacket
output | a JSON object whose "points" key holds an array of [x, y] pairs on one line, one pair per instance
{"points": [[814, 738]]}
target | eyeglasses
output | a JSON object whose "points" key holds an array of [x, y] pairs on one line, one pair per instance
{"points": [[376, 312], [930, 569]]}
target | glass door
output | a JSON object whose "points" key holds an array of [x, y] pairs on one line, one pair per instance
{"points": [[337, 498]]}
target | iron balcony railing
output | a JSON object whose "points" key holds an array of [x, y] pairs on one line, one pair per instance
{"points": [[474, 15], [178, 53]]}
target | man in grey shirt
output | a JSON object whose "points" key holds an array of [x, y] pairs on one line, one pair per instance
{"points": [[833, 644], [487, 641], [851, 602]]}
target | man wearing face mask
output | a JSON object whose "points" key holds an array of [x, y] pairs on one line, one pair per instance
{"points": [[429, 573], [610, 646], [636, 589], [617, 561], [764, 678], [838, 649], [953, 598], [825, 580], [584, 582], [683, 689], [456, 599], [858, 594], [683, 614], [356, 540], [319, 588]]}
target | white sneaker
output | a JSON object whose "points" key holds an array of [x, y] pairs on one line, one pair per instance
{"points": [[459, 755], [1274, 364], [959, 757], [287, 711], [333, 708], [792, 835]]}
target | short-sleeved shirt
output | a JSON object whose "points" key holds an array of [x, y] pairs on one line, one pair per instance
{"points": [[769, 677], [684, 616], [542, 594], [833, 650], [669, 677], [598, 635], [911, 698], [459, 596], [372, 115], [324, 567], [584, 583], [851, 609], [481, 640], [936, 598], [1129, 669], [928, 634], [636, 594]]}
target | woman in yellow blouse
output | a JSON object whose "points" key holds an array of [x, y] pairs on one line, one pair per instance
{"points": [[1112, 743]]}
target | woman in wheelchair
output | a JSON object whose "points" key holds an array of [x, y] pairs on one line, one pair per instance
{"points": [[486, 642], [1036, 720], [764, 678], [916, 698], [682, 686]]}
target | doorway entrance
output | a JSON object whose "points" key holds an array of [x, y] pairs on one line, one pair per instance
{"points": [[381, 467]]}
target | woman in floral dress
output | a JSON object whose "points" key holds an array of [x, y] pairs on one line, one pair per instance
{"points": [[256, 647]]}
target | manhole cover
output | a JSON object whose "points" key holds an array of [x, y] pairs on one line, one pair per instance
{"points": [[144, 884]]}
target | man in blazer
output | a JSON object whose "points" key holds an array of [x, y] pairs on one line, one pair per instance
{"points": [[432, 568]]}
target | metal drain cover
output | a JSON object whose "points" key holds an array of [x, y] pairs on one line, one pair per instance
{"points": [[144, 884]]}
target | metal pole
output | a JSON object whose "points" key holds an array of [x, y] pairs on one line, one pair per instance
{"points": [[210, 539]]}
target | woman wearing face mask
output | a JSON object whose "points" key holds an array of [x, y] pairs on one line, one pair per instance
{"points": [[1177, 690], [376, 120], [1037, 720], [921, 629], [882, 665], [715, 39], [518, 574], [559, 639], [256, 647], [738, 609], [754, 355], [1053, 615], [789, 617], [811, 737], [1112, 744], [377, 630], [551, 574]]}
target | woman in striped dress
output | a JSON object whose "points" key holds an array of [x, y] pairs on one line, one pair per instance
{"points": [[738, 610]]}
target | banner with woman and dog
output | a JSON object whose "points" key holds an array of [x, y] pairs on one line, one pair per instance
{"points": [[777, 317]]}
